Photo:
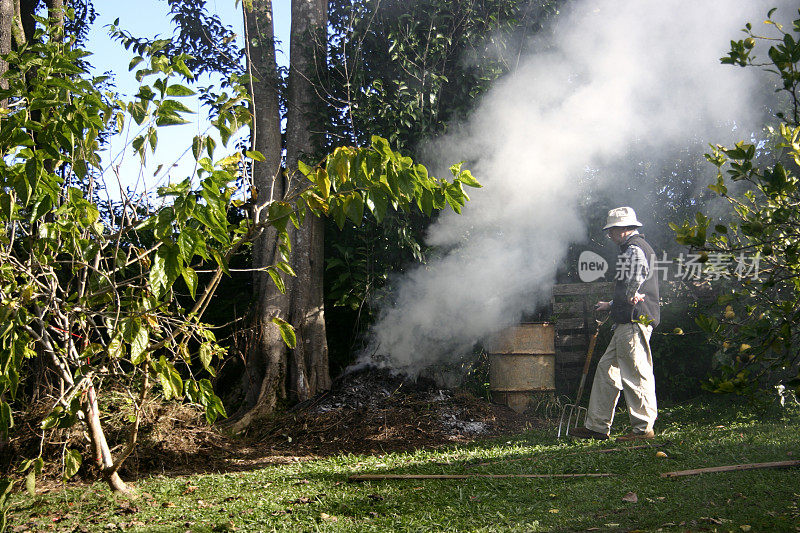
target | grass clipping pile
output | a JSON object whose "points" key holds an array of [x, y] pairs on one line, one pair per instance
{"points": [[373, 411]]}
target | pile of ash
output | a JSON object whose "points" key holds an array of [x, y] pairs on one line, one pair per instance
{"points": [[373, 410], [371, 388]]}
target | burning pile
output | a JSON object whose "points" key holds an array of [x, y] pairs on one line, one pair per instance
{"points": [[373, 411]]}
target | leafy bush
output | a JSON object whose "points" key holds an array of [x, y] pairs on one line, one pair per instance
{"points": [[756, 325]]}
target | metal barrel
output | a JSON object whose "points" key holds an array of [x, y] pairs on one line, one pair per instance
{"points": [[522, 362]]}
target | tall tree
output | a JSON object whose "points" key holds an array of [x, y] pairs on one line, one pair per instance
{"points": [[308, 371], [273, 371], [266, 352]]}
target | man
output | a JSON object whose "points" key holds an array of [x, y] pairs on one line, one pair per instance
{"points": [[627, 364]]}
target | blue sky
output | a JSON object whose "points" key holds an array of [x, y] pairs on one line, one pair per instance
{"points": [[148, 18]]}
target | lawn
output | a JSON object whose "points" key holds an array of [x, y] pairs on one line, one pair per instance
{"points": [[316, 495]]}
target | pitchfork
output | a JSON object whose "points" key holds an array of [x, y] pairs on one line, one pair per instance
{"points": [[572, 411]]}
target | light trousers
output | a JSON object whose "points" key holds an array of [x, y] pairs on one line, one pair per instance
{"points": [[627, 366]]}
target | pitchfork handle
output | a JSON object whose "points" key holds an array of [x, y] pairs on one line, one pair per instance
{"points": [[592, 342]]}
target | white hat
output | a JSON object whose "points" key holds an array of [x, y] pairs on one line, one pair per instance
{"points": [[621, 217]]}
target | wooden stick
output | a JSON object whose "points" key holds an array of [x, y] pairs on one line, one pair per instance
{"points": [[380, 477], [730, 468]]}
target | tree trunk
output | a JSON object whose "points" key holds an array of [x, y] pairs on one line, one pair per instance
{"points": [[308, 371], [100, 449], [274, 372], [6, 25], [55, 10], [267, 356]]}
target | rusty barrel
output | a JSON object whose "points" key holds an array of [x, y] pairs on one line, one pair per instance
{"points": [[522, 362]]}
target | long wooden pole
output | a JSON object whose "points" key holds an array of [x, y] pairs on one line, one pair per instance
{"points": [[381, 477], [731, 468]]}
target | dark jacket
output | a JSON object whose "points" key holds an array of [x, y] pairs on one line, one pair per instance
{"points": [[622, 312]]}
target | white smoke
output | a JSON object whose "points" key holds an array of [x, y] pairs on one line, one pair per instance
{"points": [[643, 73]]}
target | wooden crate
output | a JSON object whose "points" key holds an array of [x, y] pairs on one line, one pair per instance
{"points": [[574, 319]]}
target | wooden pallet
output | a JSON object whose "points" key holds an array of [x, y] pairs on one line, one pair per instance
{"points": [[574, 319]]}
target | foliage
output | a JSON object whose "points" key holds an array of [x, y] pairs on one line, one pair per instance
{"points": [[408, 68], [313, 495], [90, 290], [95, 291], [758, 315], [79, 24], [681, 354], [209, 46]]}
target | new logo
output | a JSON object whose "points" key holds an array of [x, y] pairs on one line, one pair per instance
{"points": [[591, 266]]}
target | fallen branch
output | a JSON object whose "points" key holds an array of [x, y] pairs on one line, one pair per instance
{"points": [[380, 477], [731, 468], [604, 450]]}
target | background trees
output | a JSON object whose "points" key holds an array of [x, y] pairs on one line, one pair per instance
{"points": [[755, 325]]}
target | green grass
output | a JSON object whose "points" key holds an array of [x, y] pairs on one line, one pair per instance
{"points": [[315, 496]]}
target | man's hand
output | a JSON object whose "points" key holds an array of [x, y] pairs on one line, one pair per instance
{"points": [[602, 306], [636, 298]]}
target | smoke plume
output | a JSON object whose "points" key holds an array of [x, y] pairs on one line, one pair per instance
{"points": [[636, 76]]}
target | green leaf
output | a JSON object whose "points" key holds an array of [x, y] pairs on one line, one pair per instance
{"points": [[170, 379], [279, 214], [466, 178], [158, 275], [139, 344], [426, 202], [115, 347], [138, 111], [190, 277], [339, 214], [72, 463], [5, 491], [276, 279], [354, 208], [172, 263], [455, 197], [181, 67], [30, 483], [135, 61], [284, 266], [197, 146], [211, 401], [323, 183], [179, 90], [138, 146], [50, 421], [6, 418], [304, 169], [168, 118], [206, 354], [287, 332], [191, 242], [173, 107], [255, 155], [233, 159], [7, 205]]}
